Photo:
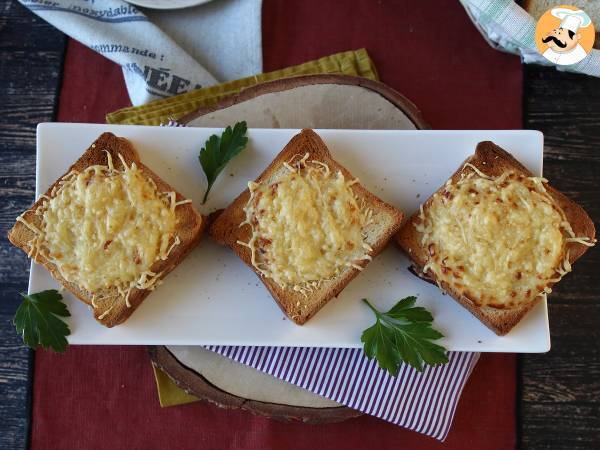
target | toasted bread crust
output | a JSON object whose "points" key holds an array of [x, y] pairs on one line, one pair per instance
{"points": [[190, 225], [494, 161], [226, 229]]}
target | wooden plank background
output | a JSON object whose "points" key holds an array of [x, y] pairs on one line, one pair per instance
{"points": [[559, 391], [31, 54]]}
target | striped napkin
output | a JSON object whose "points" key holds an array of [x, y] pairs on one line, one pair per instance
{"points": [[424, 402]]}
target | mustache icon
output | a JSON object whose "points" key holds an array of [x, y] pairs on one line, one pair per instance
{"points": [[555, 40]]}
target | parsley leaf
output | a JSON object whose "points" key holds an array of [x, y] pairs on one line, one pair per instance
{"points": [[218, 151], [403, 333], [37, 320]]}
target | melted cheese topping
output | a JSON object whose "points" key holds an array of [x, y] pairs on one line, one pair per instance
{"points": [[499, 241], [104, 229], [307, 226]]}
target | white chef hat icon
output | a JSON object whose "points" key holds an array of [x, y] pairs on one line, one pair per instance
{"points": [[571, 19]]}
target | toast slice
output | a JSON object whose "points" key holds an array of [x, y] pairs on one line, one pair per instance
{"points": [[300, 304], [493, 161], [109, 306]]}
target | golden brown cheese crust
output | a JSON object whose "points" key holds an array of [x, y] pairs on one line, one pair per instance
{"points": [[493, 161], [112, 310], [307, 225], [500, 241], [298, 306], [105, 227]]}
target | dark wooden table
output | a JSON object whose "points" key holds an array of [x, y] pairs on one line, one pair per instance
{"points": [[559, 392]]}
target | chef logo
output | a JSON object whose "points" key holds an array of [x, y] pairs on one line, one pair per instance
{"points": [[564, 35]]}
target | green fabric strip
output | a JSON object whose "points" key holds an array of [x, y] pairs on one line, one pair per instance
{"points": [[354, 62]]}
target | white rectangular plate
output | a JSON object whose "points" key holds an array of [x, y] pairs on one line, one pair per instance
{"points": [[213, 298]]}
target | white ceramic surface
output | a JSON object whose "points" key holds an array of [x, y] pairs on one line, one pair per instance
{"points": [[213, 298]]}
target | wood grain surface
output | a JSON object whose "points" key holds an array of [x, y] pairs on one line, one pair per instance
{"points": [[560, 391], [31, 54]]}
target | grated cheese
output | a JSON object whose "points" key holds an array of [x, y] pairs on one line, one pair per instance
{"points": [[499, 241], [104, 228], [307, 225]]}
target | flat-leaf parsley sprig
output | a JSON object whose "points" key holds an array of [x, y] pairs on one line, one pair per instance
{"points": [[218, 151], [403, 334], [38, 320]]}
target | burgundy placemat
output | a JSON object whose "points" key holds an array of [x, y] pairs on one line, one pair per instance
{"points": [[105, 397]]}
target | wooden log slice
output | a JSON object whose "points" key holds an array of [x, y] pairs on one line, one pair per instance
{"points": [[288, 402], [314, 101]]}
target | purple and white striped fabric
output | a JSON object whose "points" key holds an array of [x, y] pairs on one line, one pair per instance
{"points": [[424, 402]]}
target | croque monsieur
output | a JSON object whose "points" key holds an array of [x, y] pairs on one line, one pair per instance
{"points": [[109, 229], [496, 238], [306, 226]]}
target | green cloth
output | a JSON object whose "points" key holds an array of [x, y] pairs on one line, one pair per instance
{"points": [[508, 27], [354, 62]]}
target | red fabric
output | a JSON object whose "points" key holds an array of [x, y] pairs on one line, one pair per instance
{"points": [[92, 86], [429, 51], [105, 397]]}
